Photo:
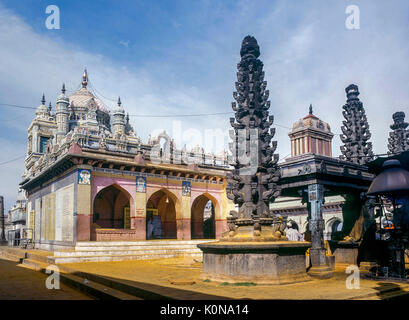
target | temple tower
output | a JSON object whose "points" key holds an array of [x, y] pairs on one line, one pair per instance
{"points": [[2, 228], [61, 114], [355, 130], [253, 182], [118, 123], [399, 137], [311, 135]]}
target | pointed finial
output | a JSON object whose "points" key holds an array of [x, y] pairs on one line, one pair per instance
{"points": [[127, 118], [43, 99], [63, 88], [49, 106], [119, 101], [85, 78], [310, 112]]}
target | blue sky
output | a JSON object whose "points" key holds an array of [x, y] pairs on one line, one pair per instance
{"points": [[178, 57]]}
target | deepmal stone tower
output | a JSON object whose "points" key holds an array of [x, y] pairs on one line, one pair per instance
{"points": [[355, 130], [252, 184], [252, 250], [399, 137]]}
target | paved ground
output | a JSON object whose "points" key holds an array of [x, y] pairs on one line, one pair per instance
{"points": [[19, 283], [181, 279]]}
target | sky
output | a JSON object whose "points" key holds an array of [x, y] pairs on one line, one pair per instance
{"points": [[176, 57]]}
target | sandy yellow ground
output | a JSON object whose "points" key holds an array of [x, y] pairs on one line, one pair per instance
{"points": [[18, 283], [180, 278]]}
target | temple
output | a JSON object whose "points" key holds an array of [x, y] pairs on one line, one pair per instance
{"points": [[89, 177], [311, 135]]}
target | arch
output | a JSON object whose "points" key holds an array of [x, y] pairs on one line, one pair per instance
{"points": [[162, 210], [334, 228], [112, 207], [204, 211]]}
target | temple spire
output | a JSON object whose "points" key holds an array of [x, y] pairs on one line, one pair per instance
{"points": [[85, 78], [355, 131], [63, 88], [399, 137], [310, 110], [43, 100], [252, 187], [119, 101]]}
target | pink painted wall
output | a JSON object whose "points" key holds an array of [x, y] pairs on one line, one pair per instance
{"points": [[99, 183]]}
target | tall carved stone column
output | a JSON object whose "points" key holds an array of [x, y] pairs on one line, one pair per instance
{"points": [[255, 248], [2, 230], [399, 137], [319, 261]]}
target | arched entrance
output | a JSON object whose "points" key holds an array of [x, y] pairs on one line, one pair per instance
{"points": [[161, 216], [203, 218], [336, 230], [111, 208]]}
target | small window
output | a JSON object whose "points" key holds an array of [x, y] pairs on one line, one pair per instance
{"points": [[43, 144]]}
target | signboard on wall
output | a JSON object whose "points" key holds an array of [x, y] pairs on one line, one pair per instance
{"points": [[31, 225], [84, 176], [127, 218], [141, 184], [186, 188]]}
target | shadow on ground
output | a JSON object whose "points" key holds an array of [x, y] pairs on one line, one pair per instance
{"points": [[386, 288]]}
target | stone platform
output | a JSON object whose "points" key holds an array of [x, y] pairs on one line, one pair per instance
{"points": [[345, 253], [99, 251], [273, 263]]}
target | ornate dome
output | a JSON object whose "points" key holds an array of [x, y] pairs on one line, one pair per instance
{"points": [[311, 135], [313, 122], [85, 99]]}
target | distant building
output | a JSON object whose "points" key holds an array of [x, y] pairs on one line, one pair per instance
{"points": [[17, 217], [311, 135], [89, 177]]}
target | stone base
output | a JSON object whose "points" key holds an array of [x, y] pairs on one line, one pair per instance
{"points": [[114, 234], [346, 253], [320, 272], [321, 264], [271, 263], [367, 266]]}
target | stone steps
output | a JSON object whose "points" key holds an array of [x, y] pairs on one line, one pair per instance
{"points": [[116, 257], [100, 251], [97, 289], [14, 254], [127, 252], [129, 248], [134, 245]]}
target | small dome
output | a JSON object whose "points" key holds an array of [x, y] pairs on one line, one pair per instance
{"points": [[62, 96], [42, 108], [313, 122], [119, 108], [84, 98]]}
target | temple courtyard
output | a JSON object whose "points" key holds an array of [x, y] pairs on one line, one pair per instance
{"points": [[172, 278]]}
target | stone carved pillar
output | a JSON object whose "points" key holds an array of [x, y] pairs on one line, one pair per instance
{"points": [[2, 230], [319, 261]]}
